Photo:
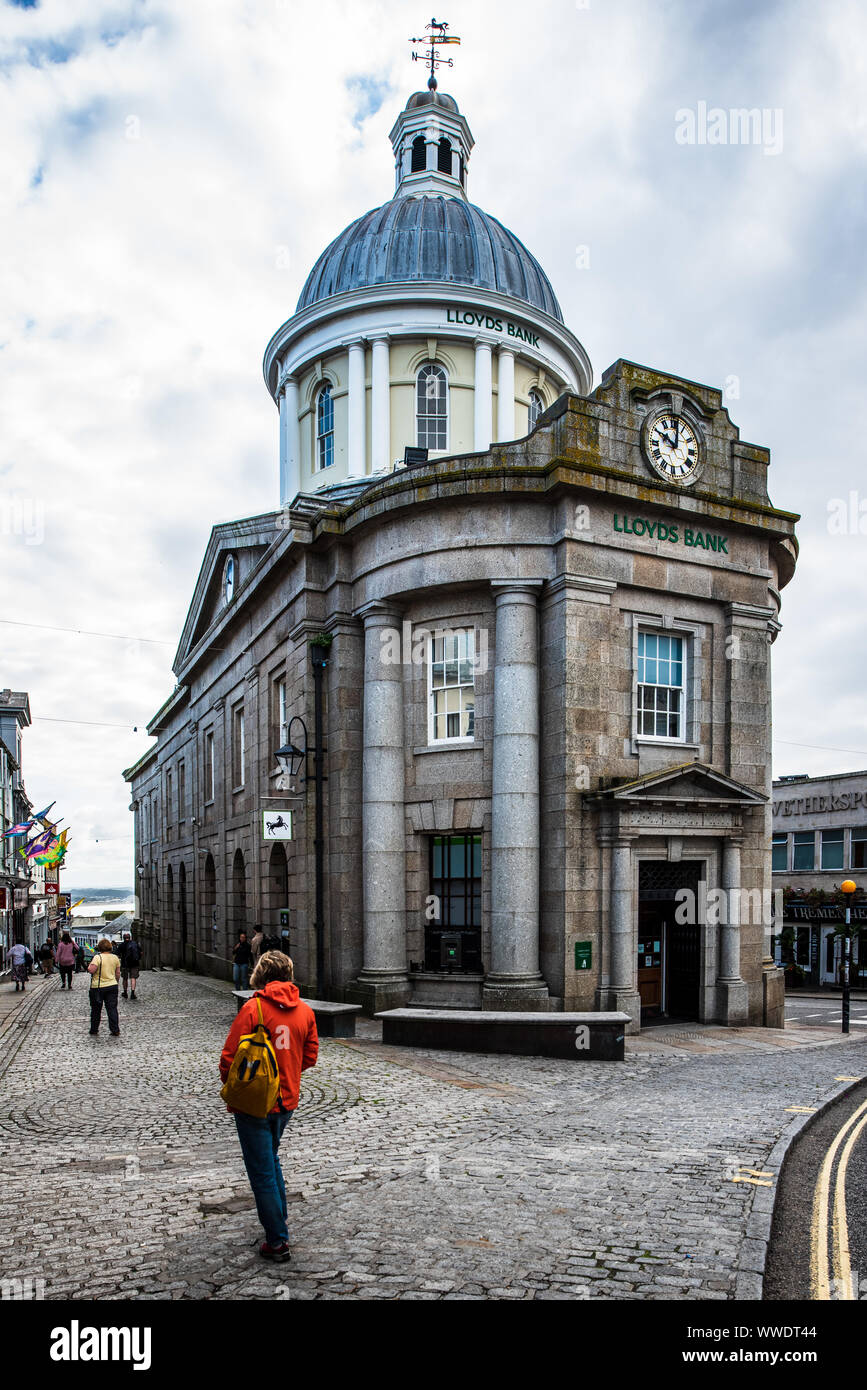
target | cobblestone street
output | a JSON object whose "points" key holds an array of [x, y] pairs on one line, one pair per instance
{"points": [[415, 1175]]}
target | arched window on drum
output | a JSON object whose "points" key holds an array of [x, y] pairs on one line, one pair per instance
{"points": [[324, 427], [432, 407], [537, 405]]}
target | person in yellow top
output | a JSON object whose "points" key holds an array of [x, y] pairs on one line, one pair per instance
{"points": [[104, 975]]}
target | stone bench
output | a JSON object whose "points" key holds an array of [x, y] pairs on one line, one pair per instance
{"points": [[332, 1020], [596, 1037]]}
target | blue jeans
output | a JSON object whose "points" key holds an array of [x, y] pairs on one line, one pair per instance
{"points": [[260, 1140], [242, 976]]}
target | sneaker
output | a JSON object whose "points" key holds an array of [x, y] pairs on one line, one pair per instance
{"points": [[278, 1253]]}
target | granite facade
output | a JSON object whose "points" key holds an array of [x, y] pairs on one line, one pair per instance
{"points": [[535, 547]]}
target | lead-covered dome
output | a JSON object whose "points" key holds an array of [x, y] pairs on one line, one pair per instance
{"points": [[430, 239]]}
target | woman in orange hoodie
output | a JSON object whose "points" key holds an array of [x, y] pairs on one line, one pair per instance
{"points": [[292, 1026]]}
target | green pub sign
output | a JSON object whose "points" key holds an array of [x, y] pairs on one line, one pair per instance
{"points": [[583, 955]]}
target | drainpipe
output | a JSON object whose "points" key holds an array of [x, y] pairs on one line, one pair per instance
{"points": [[319, 656]]}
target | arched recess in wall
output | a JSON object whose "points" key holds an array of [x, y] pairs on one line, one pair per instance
{"points": [[326, 369], [239, 898], [182, 904], [209, 902], [276, 889], [442, 357]]}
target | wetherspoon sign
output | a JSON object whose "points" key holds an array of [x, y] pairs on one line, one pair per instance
{"points": [[666, 531]]}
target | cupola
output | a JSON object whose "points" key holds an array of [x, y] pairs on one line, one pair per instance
{"points": [[432, 143]]}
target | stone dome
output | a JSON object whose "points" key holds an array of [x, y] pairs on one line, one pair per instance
{"points": [[429, 239]]}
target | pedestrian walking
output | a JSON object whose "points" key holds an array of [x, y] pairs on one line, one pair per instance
{"points": [[79, 958], [292, 1027], [46, 958], [17, 957], [241, 962], [256, 945], [104, 974], [130, 958], [66, 960]]}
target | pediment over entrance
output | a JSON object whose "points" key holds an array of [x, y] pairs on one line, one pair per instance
{"points": [[693, 783]]}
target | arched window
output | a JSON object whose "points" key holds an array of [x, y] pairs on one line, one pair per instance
{"points": [[432, 407], [419, 155], [444, 157], [537, 405], [324, 427], [229, 579]]}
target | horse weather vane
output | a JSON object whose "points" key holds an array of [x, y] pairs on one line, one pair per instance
{"points": [[436, 36]]}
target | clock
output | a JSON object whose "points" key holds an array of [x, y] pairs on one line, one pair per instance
{"points": [[672, 446]]}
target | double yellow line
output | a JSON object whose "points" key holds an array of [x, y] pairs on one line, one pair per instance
{"points": [[829, 1217]]}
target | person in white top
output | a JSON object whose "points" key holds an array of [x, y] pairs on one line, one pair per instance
{"points": [[17, 956]]}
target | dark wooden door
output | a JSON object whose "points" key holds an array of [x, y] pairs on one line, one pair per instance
{"points": [[683, 950], [649, 973]]}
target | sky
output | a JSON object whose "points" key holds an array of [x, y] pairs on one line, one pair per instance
{"points": [[171, 171]]}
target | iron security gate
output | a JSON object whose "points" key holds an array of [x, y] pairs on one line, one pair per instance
{"points": [[668, 949]]}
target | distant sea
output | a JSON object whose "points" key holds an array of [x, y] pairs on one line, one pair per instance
{"points": [[99, 900]]}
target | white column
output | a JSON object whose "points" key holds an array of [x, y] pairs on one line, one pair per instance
{"points": [[483, 396], [514, 980], [505, 394], [356, 450], [380, 408], [290, 444]]}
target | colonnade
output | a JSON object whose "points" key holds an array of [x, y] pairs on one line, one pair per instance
{"points": [[358, 464]]}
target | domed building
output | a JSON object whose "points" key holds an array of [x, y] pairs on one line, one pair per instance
{"points": [[479, 716], [426, 323]]}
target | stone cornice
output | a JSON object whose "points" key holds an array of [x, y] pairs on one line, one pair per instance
{"points": [[583, 586], [467, 475]]}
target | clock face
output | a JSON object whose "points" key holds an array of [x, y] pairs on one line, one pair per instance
{"points": [[672, 447]]}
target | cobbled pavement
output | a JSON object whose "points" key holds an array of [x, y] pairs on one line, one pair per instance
{"points": [[411, 1174]]}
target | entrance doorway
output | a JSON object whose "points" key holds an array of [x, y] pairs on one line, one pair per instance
{"points": [[830, 955], [669, 952]]}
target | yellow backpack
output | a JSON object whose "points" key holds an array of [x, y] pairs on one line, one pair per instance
{"points": [[253, 1083]]}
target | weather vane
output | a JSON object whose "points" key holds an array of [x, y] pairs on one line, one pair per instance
{"points": [[436, 35]]}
